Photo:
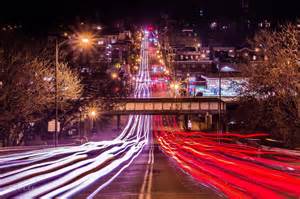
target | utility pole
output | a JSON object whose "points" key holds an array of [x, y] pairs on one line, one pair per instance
{"points": [[80, 119], [220, 99], [85, 42], [56, 94], [220, 95]]}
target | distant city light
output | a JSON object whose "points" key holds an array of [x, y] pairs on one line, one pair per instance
{"points": [[213, 25]]}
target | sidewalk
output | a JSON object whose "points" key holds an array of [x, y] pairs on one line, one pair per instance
{"points": [[107, 132]]}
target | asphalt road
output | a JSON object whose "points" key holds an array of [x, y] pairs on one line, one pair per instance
{"points": [[152, 175]]}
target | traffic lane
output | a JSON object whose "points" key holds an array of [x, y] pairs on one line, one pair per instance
{"points": [[126, 185], [170, 182], [151, 176], [213, 162]]}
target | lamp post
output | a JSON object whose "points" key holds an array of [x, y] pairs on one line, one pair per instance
{"points": [[56, 89], [93, 116], [80, 119], [84, 41], [220, 96], [174, 86], [114, 75]]}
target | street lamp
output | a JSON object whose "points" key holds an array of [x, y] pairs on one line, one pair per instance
{"points": [[83, 40], [80, 120], [175, 86], [114, 75], [93, 115], [220, 94]]}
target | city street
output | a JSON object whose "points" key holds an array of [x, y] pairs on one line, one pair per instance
{"points": [[152, 158]]}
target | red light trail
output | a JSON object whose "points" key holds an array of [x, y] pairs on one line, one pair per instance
{"points": [[237, 170]]}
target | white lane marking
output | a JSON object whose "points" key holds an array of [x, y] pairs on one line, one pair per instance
{"points": [[143, 187], [148, 196], [147, 182]]}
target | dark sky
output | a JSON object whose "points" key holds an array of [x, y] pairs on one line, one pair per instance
{"points": [[49, 11]]}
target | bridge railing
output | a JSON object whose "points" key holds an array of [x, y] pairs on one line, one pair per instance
{"points": [[184, 105]]}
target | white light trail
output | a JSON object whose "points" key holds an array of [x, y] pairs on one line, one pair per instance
{"points": [[65, 171]]}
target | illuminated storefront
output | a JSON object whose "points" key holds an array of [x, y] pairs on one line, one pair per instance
{"points": [[209, 86]]}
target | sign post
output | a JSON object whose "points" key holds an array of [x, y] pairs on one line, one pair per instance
{"points": [[51, 128]]}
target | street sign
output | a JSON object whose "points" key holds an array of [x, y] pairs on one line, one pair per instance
{"points": [[51, 126], [190, 125]]}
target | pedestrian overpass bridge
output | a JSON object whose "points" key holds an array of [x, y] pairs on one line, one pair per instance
{"points": [[162, 106]]}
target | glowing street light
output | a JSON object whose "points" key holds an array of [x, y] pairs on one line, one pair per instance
{"points": [[93, 114], [114, 75], [85, 40], [118, 65], [82, 40], [175, 87]]}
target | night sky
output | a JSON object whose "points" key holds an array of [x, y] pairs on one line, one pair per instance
{"points": [[50, 11]]}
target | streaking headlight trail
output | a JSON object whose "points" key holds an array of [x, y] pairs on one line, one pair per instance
{"points": [[65, 171]]}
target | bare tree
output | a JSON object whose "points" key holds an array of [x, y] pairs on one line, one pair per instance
{"points": [[27, 89], [272, 87]]}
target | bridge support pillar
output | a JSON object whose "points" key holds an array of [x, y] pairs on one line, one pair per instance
{"points": [[185, 121], [118, 122], [208, 120]]}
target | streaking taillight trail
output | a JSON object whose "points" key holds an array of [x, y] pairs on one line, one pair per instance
{"points": [[237, 170]]}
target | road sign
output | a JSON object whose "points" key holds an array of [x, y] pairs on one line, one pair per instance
{"points": [[51, 126], [190, 125]]}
